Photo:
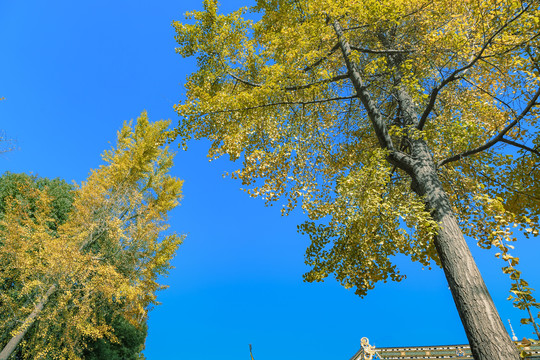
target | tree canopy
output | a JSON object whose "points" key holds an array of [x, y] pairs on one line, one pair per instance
{"points": [[398, 126], [76, 279], [130, 338]]}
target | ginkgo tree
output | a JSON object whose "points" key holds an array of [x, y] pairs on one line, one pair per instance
{"points": [[68, 281], [400, 126]]}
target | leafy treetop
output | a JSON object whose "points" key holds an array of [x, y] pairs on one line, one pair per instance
{"points": [[278, 93]]}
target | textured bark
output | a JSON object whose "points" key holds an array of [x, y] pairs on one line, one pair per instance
{"points": [[485, 331], [28, 322]]}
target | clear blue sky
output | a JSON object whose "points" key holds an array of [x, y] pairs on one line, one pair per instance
{"points": [[73, 71]]}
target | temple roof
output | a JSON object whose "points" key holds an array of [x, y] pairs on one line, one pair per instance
{"points": [[462, 352]]}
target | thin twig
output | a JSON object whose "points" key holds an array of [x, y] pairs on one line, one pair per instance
{"points": [[524, 147]]}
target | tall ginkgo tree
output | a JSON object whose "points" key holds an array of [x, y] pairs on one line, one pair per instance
{"points": [[67, 282], [400, 126]]}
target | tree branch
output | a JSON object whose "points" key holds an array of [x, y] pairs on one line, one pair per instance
{"points": [[30, 319], [382, 52], [356, 27], [498, 137], [524, 147], [243, 81], [400, 159], [293, 88], [455, 74], [491, 95], [318, 62], [504, 186], [339, 98], [323, 81]]}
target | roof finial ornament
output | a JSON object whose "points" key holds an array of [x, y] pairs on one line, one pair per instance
{"points": [[514, 337], [367, 350]]}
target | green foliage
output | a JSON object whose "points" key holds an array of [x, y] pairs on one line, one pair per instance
{"points": [[61, 193], [13, 186], [86, 260], [129, 346], [130, 338]]}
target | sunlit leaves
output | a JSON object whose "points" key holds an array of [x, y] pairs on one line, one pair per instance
{"points": [[274, 92], [104, 261], [365, 229]]}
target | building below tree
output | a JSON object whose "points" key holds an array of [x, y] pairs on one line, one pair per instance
{"points": [[462, 352]]}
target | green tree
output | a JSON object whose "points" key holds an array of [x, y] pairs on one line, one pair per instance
{"points": [[101, 265], [375, 114], [129, 346], [61, 194]]}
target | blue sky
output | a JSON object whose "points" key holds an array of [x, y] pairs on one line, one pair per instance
{"points": [[72, 72]]}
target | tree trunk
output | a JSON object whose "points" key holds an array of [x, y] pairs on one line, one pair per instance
{"points": [[485, 331], [28, 322], [31, 319]]}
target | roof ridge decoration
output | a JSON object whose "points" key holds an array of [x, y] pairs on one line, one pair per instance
{"points": [[367, 351], [461, 352]]}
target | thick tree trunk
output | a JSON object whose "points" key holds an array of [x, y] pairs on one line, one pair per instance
{"points": [[485, 331], [28, 322]]}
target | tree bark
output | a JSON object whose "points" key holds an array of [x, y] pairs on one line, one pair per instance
{"points": [[28, 322], [485, 331]]}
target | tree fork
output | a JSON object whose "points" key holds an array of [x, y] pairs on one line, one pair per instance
{"points": [[485, 331]]}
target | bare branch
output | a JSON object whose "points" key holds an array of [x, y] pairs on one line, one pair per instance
{"points": [[356, 27], [323, 81], [292, 88], [6, 144], [491, 95], [498, 137], [503, 185], [243, 81], [422, 7], [524, 147]]}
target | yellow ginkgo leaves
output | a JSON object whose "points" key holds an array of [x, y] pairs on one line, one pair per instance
{"points": [[103, 262]]}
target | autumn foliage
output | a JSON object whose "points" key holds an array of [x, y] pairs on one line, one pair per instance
{"points": [[68, 280], [398, 126]]}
